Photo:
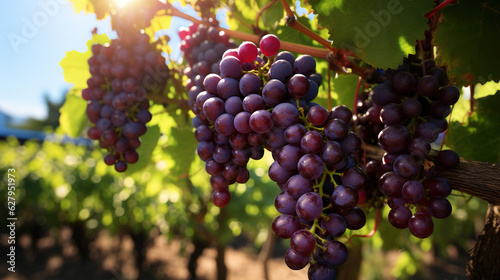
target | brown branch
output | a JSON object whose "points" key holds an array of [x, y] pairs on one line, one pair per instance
{"points": [[476, 178], [485, 256]]}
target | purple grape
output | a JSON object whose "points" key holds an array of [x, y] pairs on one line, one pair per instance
{"points": [[355, 218], [309, 206], [285, 225], [354, 177], [391, 184], [297, 185], [224, 124], [312, 142], [298, 86], [336, 129], [394, 138], [310, 166], [294, 134], [303, 242], [421, 225], [406, 166], [295, 260], [253, 102], [304, 64], [413, 191], [213, 108], [250, 83], [279, 174], [273, 92], [233, 105], [288, 157], [399, 216], [321, 270], [285, 204], [242, 122], [439, 207], [281, 70], [284, 115], [344, 197], [335, 253], [334, 224]]}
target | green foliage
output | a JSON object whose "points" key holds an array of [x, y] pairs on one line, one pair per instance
{"points": [[481, 127], [468, 40], [75, 66], [381, 33], [73, 116]]}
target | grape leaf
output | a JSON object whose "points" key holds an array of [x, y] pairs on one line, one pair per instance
{"points": [[468, 41], [379, 32], [73, 116], [75, 66], [145, 150], [479, 137], [271, 17], [98, 7]]}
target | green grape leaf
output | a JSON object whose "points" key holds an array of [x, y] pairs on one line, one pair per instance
{"points": [[73, 116], [75, 66], [98, 7], [379, 32], [479, 137], [271, 17], [145, 150], [344, 89], [467, 41]]}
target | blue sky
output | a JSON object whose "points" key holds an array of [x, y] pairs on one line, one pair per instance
{"points": [[33, 40]]}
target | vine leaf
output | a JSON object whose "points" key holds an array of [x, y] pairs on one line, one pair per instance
{"points": [[148, 143], [75, 66], [467, 47], [73, 116], [100, 8], [379, 32], [481, 127]]}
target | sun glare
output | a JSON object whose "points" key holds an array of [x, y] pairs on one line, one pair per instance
{"points": [[123, 3]]}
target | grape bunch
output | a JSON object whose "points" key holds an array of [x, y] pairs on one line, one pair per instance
{"points": [[317, 171], [122, 74], [262, 99], [404, 115]]}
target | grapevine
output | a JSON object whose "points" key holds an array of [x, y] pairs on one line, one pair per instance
{"points": [[249, 94]]}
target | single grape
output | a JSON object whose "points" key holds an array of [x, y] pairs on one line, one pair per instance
{"points": [[334, 224], [285, 225], [303, 242], [399, 216], [335, 253], [344, 197], [310, 166], [421, 225], [221, 198], [309, 206], [296, 261]]}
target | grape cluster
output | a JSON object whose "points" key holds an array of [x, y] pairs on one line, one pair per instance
{"points": [[262, 99], [316, 171], [122, 74], [404, 115]]}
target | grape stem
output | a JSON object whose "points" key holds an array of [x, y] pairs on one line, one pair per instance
{"points": [[372, 232], [438, 7]]}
